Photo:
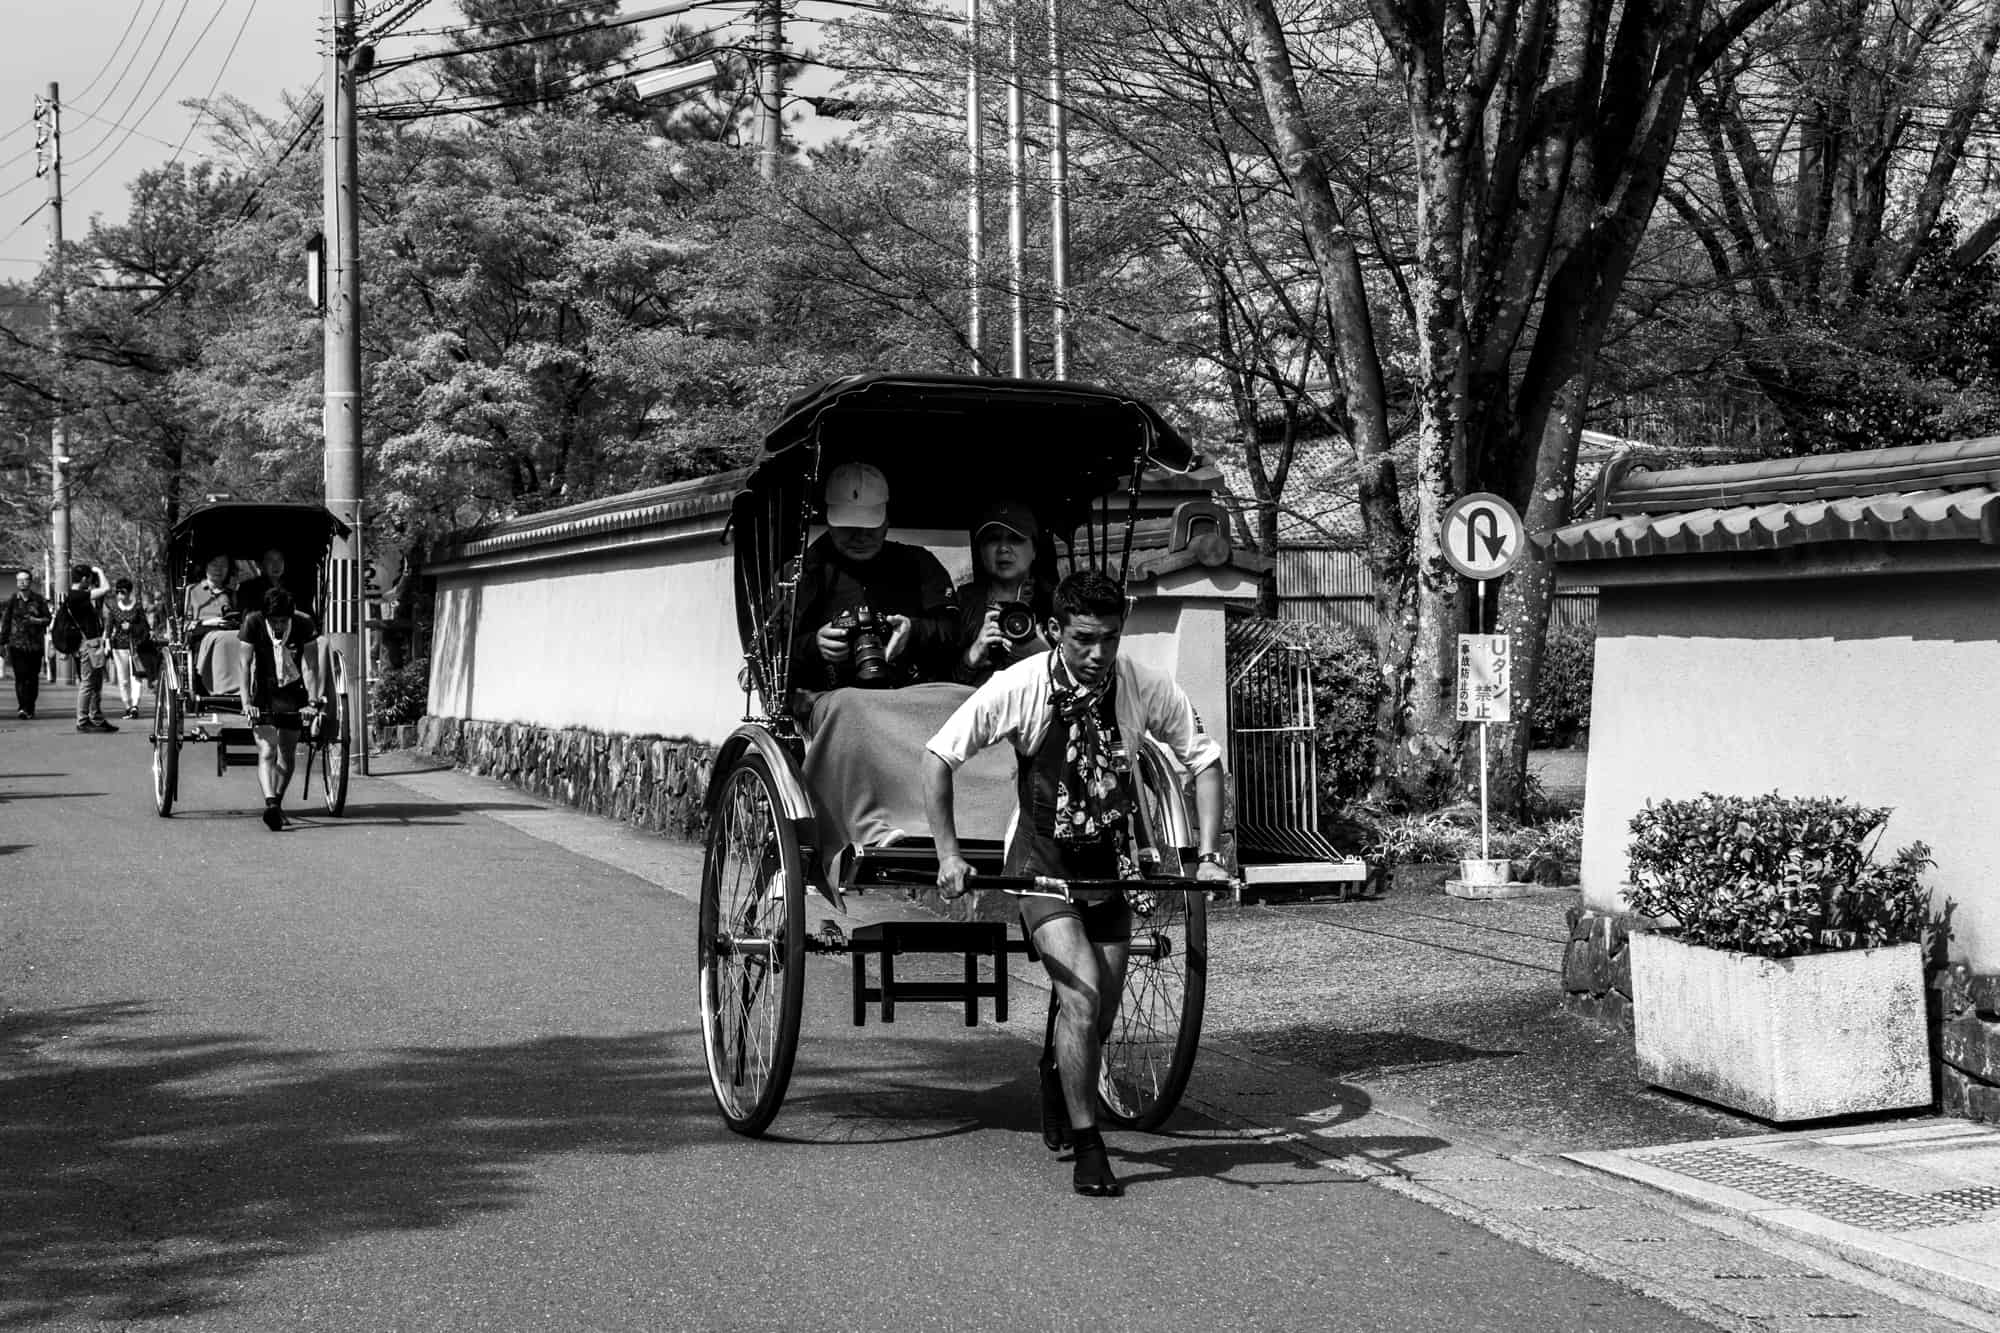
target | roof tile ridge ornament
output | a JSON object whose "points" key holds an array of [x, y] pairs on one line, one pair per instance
{"points": [[1627, 485]]}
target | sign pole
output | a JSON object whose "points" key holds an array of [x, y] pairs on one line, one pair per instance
{"points": [[1482, 539], [1485, 839]]}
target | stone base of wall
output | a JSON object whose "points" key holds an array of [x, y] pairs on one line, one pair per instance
{"points": [[402, 737], [649, 781], [1597, 972], [1966, 1010]]}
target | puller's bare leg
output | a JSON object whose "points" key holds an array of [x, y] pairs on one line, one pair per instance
{"points": [[1077, 971]]}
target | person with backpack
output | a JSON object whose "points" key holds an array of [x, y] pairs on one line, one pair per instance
{"points": [[23, 624], [80, 630]]}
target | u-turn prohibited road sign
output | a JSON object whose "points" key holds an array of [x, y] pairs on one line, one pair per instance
{"points": [[1483, 536]]}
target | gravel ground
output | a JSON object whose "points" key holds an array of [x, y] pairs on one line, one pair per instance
{"points": [[1450, 1004]]}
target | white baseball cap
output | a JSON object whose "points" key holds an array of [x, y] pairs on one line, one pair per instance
{"points": [[857, 496]]}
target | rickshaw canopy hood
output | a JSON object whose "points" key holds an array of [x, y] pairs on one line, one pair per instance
{"points": [[249, 527], [950, 443]]}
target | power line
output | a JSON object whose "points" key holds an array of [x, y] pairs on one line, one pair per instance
{"points": [[464, 104], [136, 8], [216, 82], [137, 49], [129, 129], [165, 88]]}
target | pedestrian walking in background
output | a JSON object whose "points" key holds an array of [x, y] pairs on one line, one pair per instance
{"points": [[130, 631], [80, 628], [24, 628]]}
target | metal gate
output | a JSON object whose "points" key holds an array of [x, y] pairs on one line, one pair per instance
{"points": [[1273, 744]]}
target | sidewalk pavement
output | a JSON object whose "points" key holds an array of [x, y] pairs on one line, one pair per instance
{"points": [[1415, 1042]]}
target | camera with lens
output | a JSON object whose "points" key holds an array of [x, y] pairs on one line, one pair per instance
{"points": [[1016, 623], [868, 644]]}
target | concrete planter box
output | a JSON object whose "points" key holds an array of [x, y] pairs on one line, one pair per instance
{"points": [[1786, 1038]]}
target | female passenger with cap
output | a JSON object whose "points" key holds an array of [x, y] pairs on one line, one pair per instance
{"points": [[1005, 596]]}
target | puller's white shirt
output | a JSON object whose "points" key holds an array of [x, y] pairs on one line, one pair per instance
{"points": [[1016, 704]]}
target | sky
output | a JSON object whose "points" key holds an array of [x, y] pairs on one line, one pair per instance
{"points": [[124, 68]]}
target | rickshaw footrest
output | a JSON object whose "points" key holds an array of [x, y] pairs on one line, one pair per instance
{"points": [[971, 939]]}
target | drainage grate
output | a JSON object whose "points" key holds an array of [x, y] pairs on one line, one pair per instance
{"points": [[1829, 1196], [1979, 1198]]}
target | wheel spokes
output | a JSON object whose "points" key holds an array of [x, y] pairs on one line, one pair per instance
{"points": [[750, 908]]}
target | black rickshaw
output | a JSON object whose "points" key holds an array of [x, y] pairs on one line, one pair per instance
{"points": [[195, 695], [1080, 454]]}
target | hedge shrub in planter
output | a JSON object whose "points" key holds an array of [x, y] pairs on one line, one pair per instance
{"points": [[1790, 982]]}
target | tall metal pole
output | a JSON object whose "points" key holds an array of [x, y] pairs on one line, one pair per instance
{"points": [[1058, 198], [1016, 218], [770, 90], [49, 164], [975, 221], [342, 330]]}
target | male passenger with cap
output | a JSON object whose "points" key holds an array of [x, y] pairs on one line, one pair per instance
{"points": [[855, 564], [1074, 715]]}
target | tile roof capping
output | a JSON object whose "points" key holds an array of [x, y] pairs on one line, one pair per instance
{"points": [[1947, 491]]}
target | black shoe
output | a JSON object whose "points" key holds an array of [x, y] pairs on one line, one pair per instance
{"points": [[1091, 1175], [131, 711], [274, 818], [24, 714], [85, 726], [98, 724]]}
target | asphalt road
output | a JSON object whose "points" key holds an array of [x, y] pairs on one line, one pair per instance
{"points": [[414, 1069]]}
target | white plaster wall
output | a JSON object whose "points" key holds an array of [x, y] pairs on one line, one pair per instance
{"points": [[643, 643], [1878, 689]]}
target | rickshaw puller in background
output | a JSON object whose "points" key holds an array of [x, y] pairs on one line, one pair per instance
{"points": [[1073, 715], [278, 692]]}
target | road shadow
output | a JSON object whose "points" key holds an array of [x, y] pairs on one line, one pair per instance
{"points": [[417, 812], [148, 1174], [9, 796], [1341, 1053], [9, 848]]}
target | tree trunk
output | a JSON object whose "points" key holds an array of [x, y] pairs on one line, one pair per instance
{"points": [[1405, 612]]}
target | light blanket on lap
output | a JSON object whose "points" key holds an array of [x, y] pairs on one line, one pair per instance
{"points": [[865, 768], [221, 662]]}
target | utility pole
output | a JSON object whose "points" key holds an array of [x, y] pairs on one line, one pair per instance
{"points": [[1016, 205], [770, 87], [1058, 198], [48, 163], [342, 338], [975, 203]]}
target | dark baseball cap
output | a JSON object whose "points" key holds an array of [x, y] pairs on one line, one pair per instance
{"points": [[1012, 515]]}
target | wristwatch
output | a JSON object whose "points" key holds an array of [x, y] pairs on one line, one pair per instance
{"points": [[1210, 858]]}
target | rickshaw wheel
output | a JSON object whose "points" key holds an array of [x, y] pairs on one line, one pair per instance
{"points": [[1151, 1049], [751, 946], [332, 759], [166, 745]]}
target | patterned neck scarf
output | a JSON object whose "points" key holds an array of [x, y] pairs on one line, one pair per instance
{"points": [[282, 658], [1093, 796]]}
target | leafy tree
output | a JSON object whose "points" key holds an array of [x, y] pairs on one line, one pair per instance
{"points": [[531, 55], [1541, 134], [1822, 187]]}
